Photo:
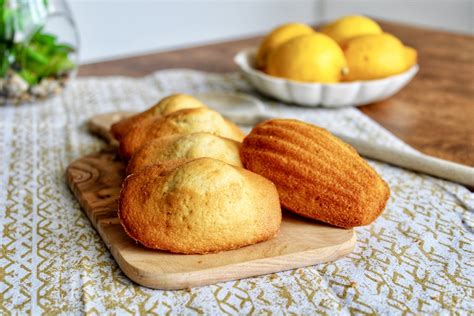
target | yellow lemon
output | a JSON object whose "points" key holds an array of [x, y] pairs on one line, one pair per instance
{"points": [[350, 26], [277, 37], [308, 58], [374, 56], [411, 56]]}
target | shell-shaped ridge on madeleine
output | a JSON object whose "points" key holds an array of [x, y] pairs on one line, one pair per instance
{"points": [[317, 175]]}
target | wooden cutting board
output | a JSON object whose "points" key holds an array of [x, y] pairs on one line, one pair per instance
{"points": [[96, 181]]}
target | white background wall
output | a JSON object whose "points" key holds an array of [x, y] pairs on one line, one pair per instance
{"points": [[116, 28], [451, 15]]}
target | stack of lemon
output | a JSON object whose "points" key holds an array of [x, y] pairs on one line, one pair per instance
{"points": [[348, 49]]}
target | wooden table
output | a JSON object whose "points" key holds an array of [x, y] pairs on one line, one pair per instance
{"points": [[434, 113]]}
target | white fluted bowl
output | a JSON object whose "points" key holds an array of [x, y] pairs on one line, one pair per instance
{"points": [[354, 93]]}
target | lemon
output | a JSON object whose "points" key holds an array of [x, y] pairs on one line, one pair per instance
{"points": [[350, 26], [374, 56], [411, 56], [308, 58], [277, 37]]}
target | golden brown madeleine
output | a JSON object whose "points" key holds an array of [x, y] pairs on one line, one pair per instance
{"points": [[170, 104], [198, 206], [181, 122], [317, 175], [187, 146]]}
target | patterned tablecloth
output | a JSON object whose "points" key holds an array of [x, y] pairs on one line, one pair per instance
{"points": [[418, 257]]}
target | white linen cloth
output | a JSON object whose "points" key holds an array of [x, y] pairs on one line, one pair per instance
{"points": [[418, 257]]}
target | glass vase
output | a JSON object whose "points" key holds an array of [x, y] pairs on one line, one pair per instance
{"points": [[39, 47]]}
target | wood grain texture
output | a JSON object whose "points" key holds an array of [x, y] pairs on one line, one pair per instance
{"points": [[434, 113], [96, 181]]}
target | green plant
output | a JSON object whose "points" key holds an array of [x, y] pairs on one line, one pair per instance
{"points": [[39, 56]]}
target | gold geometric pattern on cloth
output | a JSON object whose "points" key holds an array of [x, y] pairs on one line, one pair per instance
{"points": [[417, 258]]}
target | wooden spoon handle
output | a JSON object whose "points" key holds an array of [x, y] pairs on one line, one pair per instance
{"points": [[414, 161]]}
